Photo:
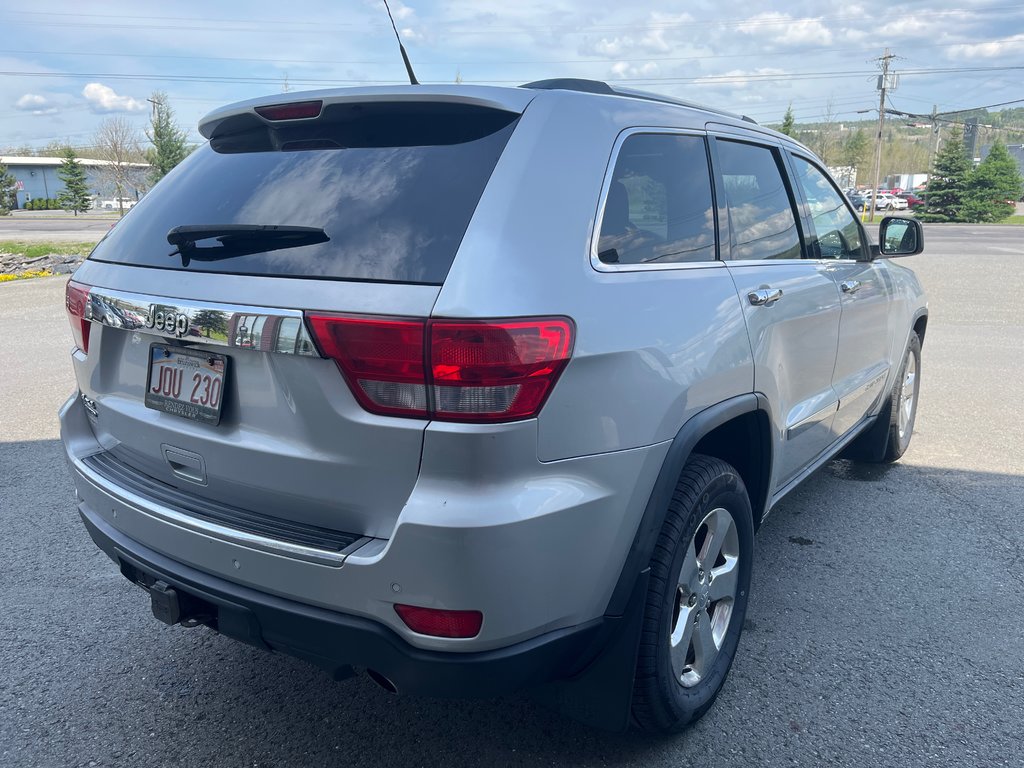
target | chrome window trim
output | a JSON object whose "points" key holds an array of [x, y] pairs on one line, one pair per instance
{"points": [[184, 312], [595, 234]]}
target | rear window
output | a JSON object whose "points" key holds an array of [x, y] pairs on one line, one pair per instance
{"points": [[392, 186]]}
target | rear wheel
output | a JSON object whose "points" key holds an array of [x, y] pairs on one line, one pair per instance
{"points": [[697, 598]]}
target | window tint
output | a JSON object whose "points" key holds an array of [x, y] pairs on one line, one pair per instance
{"points": [[760, 211], [658, 208], [837, 234], [393, 190]]}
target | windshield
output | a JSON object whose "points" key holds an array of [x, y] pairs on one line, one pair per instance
{"points": [[393, 213]]}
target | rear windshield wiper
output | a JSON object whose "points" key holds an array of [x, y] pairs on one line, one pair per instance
{"points": [[238, 240]]}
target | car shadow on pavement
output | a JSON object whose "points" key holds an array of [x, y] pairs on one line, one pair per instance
{"points": [[853, 616]]}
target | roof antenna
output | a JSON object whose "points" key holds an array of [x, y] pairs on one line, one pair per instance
{"points": [[405, 56]]}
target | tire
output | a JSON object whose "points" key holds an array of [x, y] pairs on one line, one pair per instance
{"points": [[904, 397], [889, 437], [682, 665]]}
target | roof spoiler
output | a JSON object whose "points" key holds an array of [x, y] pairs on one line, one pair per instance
{"points": [[512, 100]]}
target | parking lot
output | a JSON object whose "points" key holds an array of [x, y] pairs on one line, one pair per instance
{"points": [[885, 626]]}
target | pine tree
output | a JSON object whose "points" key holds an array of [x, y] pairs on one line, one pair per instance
{"points": [[992, 187], [8, 193], [75, 195], [170, 144], [947, 185], [788, 122]]}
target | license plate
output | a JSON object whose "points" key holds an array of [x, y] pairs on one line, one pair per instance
{"points": [[186, 383]]}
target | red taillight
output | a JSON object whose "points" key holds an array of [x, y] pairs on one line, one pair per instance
{"points": [[76, 299], [382, 360], [439, 623], [496, 371], [489, 371], [295, 111]]}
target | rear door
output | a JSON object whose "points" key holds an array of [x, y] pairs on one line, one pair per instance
{"points": [[384, 193], [836, 237], [790, 303]]}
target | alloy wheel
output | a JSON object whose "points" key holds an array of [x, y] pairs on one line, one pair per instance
{"points": [[705, 596]]}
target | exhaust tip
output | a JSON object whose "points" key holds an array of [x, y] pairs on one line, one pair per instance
{"points": [[382, 681]]}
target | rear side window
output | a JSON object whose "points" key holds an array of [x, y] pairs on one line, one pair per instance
{"points": [[392, 186], [760, 210], [658, 209]]}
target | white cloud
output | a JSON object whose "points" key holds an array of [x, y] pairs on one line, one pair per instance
{"points": [[623, 69], [783, 29], [990, 50], [661, 35], [103, 99], [741, 77], [36, 104]]}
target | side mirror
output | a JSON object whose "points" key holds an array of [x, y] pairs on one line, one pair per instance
{"points": [[899, 236]]}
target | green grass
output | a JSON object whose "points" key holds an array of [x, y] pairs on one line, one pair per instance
{"points": [[1018, 220], [32, 250]]}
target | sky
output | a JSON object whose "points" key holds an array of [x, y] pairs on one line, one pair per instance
{"points": [[66, 66]]}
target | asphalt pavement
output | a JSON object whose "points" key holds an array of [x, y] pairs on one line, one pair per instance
{"points": [[885, 626], [56, 226]]}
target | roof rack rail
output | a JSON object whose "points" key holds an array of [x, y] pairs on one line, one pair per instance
{"points": [[601, 87]]}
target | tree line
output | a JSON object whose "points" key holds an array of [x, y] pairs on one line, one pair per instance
{"points": [[118, 143], [907, 146], [957, 191]]}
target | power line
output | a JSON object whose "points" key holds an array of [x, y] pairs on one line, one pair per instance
{"points": [[471, 26], [697, 80], [987, 106], [803, 52]]}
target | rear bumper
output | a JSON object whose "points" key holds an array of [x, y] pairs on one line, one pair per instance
{"points": [[536, 549], [336, 641]]}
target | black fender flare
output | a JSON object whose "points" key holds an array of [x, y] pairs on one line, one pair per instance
{"points": [[599, 692], [695, 428]]}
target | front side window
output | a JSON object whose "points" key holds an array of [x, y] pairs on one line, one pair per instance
{"points": [[837, 234], [659, 206], [760, 211]]}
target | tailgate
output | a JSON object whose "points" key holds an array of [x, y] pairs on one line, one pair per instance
{"points": [[291, 441]]}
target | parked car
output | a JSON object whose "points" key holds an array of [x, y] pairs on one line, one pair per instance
{"points": [[474, 407], [912, 200], [859, 200], [116, 203]]}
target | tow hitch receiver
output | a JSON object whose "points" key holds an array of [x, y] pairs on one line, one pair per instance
{"points": [[165, 603]]}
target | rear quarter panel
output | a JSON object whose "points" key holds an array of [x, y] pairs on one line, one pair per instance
{"points": [[652, 348]]}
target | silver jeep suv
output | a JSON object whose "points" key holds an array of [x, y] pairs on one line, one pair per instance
{"points": [[481, 389]]}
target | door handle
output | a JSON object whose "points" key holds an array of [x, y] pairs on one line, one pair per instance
{"points": [[850, 286], [764, 296]]}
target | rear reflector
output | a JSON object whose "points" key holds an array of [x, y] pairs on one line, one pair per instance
{"points": [[439, 623], [499, 370], [76, 299], [295, 111]]}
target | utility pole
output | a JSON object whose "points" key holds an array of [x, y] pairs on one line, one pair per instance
{"points": [[933, 149], [884, 84]]}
